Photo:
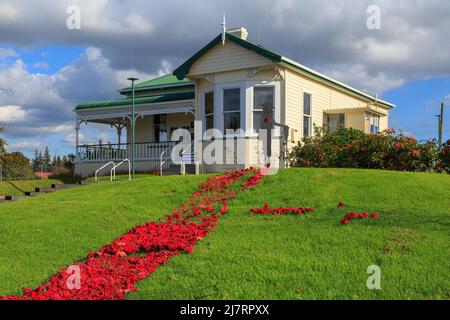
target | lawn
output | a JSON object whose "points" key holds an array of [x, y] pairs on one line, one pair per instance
{"points": [[247, 256], [17, 188], [40, 235]]}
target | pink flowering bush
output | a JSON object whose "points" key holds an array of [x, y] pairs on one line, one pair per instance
{"points": [[443, 163]]}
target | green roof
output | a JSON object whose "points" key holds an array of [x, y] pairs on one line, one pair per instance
{"points": [[182, 71], [138, 101], [166, 81]]}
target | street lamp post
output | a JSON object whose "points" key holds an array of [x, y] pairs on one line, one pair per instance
{"points": [[133, 123]]}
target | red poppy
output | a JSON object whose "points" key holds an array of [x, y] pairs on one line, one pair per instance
{"points": [[353, 215]]}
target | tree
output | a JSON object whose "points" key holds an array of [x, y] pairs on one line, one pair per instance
{"points": [[69, 161], [2, 142], [62, 167], [16, 166], [36, 161], [47, 160], [41, 161]]}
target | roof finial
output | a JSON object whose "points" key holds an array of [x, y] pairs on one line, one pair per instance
{"points": [[224, 28]]}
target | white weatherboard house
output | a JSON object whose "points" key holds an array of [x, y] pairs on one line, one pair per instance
{"points": [[224, 85]]}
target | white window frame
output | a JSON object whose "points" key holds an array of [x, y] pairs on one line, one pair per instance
{"points": [[246, 105], [310, 116], [250, 105], [253, 104], [203, 113], [239, 110], [220, 119], [203, 107], [327, 115], [374, 118]]}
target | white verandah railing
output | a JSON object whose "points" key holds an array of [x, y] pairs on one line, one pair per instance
{"points": [[115, 152]]}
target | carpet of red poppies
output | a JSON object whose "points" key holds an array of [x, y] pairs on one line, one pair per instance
{"points": [[112, 271], [266, 210]]}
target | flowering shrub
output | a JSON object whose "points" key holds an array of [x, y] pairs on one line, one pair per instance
{"points": [[350, 148], [279, 211], [354, 215], [112, 271], [443, 163]]}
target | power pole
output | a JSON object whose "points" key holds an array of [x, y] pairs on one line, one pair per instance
{"points": [[441, 124]]}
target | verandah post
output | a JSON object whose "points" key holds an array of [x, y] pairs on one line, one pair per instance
{"points": [[133, 124]]}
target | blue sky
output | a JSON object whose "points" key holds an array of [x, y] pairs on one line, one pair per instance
{"points": [[46, 68], [417, 104], [49, 59]]}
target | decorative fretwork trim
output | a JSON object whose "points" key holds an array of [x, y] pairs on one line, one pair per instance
{"points": [[141, 110]]}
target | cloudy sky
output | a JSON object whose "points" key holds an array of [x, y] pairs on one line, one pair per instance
{"points": [[46, 68]]}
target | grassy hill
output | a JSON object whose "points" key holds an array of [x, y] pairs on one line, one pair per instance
{"points": [[247, 256], [16, 188]]}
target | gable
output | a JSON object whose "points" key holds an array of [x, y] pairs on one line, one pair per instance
{"points": [[226, 58]]}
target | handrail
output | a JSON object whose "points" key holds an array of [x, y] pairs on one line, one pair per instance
{"points": [[191, 159], [113, 170], [161, 161], [103, 167]]}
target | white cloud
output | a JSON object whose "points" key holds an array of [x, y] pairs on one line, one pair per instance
{"points": [[24, 146], [89, 135], [359, 77], [7, 53], [11, 114], [411, 45], [106, 16], [7, 11], [42, 104]]}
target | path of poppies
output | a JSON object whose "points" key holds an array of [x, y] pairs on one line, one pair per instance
{"points": [[112, 272]]}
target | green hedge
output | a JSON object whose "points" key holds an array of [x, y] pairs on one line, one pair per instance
{"points": [[351, 148]]}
